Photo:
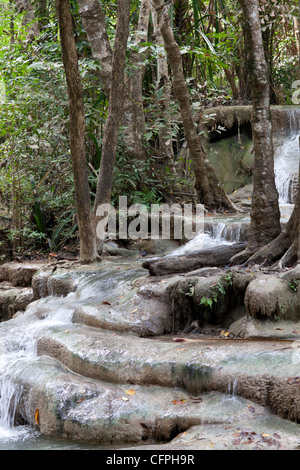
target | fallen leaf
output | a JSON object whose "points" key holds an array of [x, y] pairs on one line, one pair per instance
{"points": [[106, 303], [135, 310], [276, 435], [265, 435], [124, 398], [225, 333], [211, 444], [178, 340], [249, 441], [130, 392], [182, 349], [37, 416], [251, 408], [81, 400], [66, 331], [178, 402]]}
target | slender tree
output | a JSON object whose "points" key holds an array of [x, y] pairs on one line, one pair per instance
{"points": [[87, 235], [116, 98], [133, 119], [207, 185], [265, 213], [280, 246]]}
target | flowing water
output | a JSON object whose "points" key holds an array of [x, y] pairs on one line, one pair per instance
{"points": [[18, 337], [18, 345], [228, 230]]}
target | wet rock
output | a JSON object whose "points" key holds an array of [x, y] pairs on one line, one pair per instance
{"points": [[7, 299], [23, 299], [272, 297], [260, 371], [232, 430], [19, 274], [251, 328], [144, 307], [13, 300], [40, 282], [64, 405]]}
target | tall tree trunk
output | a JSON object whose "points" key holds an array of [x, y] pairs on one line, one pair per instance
{"points": [[133, 120], [116, 98], [265, 214], [88, 252], [164, 84], [208, 188], [93, 20]]}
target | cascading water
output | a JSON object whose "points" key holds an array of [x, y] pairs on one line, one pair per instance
{"points": [[18, 340], [286, 166], [19, 337], [286, 160]]}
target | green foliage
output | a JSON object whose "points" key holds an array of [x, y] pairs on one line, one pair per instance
{"points": [[293, 285]]}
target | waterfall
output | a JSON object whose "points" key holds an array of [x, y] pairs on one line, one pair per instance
{"points": [[286, 160]]}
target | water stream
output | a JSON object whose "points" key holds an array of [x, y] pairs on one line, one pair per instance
{"points": [[228, 230], [18, 337], [18, 346]]}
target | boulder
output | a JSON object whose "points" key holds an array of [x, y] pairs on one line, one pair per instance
{"points": [[273, 298]]}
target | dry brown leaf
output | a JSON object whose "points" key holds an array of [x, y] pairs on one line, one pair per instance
{"points": [[130, 392], [37, 416], [178, 402]]}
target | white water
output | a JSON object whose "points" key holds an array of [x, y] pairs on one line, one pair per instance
{"points": [[18, 346], [286, 164]]}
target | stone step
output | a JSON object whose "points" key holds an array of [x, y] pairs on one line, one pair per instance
{"points": [[64, 405], [263, 371]]}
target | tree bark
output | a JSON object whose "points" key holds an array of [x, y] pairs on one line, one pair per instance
{"points": [[87, 235], [166, 152], [93, 20], [25, 6], [285, 247], [116, 98], [265, 214], [133, 119], [218, 256], [208, 188]]}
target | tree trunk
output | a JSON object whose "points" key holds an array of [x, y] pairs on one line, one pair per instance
{"points": [[218, 256], [93, 20], [285, 247], [87, 233], [133, 120], [25, 6], [265, 214], [116, 98], [164, 84], [208, 188]]}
